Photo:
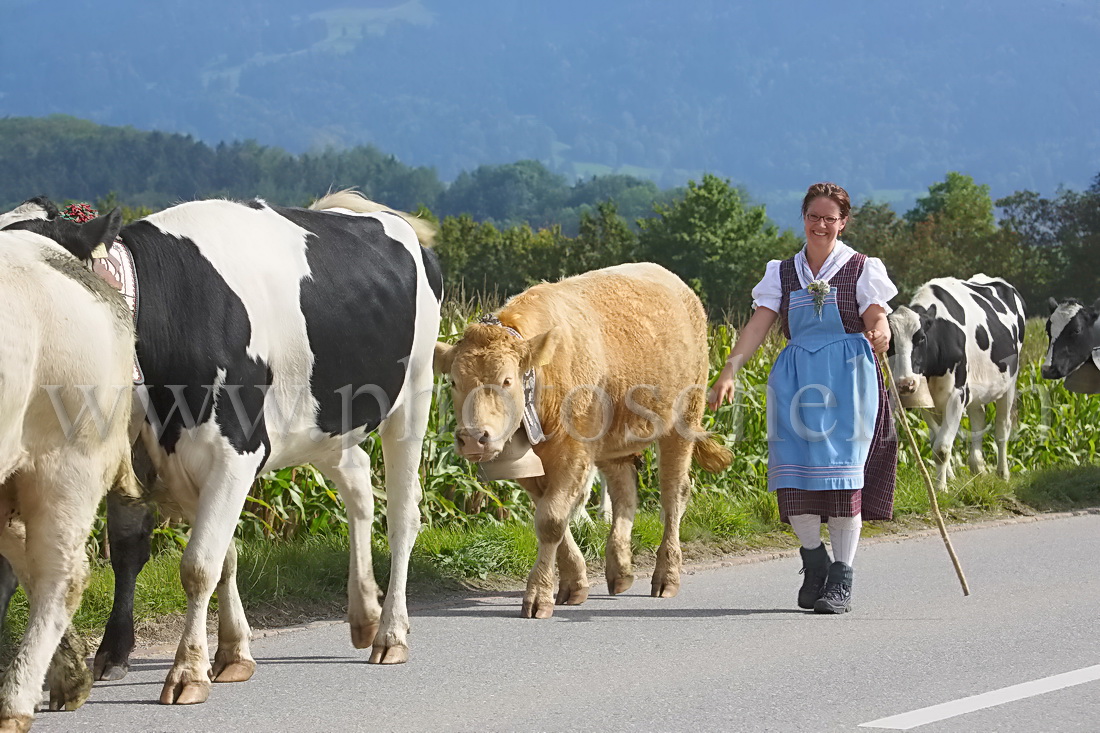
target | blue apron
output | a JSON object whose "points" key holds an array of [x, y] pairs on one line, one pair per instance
{"points": [[822, 401]]}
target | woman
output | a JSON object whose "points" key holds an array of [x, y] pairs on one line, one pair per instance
{"points": [[832, 452]]}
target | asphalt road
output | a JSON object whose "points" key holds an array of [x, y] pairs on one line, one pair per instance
{"points": [[730, 653]]}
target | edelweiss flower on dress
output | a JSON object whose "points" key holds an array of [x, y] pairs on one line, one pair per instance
{"points": [[820, 290]]}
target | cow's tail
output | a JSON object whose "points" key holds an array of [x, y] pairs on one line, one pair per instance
{"points": [[352, 200], [711, 455]]}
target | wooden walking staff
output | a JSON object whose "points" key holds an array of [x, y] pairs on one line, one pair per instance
{"points": [[927, 478]]}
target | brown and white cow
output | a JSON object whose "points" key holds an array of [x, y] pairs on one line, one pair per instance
{"points": [[620, 357], [66, 353]]}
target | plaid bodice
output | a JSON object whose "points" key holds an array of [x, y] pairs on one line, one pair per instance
{"points": [[843, 282]]}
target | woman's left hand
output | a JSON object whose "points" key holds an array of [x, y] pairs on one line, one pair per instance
{"points": [[880, 340]]}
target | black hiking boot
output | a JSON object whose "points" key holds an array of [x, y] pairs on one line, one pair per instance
{"points": [[837, 597], [815, 568]]}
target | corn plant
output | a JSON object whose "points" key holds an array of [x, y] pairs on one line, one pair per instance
{"points": [[1053, 427]]}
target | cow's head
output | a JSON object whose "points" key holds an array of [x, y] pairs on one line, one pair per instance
{"points": [[909, 329], [486, 368], [40, 216], [1073, 333]]}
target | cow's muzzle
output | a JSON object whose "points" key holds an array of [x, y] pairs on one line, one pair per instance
{"points": [[1049, 371], [907, 385], [476, 444]]}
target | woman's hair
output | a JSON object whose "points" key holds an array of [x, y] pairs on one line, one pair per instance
{"points": [[831, 191]]}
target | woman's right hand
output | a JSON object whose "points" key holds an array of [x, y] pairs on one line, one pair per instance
{"points": [[722, 389]]}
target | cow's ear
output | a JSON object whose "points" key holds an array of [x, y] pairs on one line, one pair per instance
{"points": [[83, 239], [540, 349], [103, 229], [1053, 304], [444, 358], [1096, 307]]}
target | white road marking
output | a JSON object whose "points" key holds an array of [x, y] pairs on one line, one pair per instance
{"points": [[932, 714]]}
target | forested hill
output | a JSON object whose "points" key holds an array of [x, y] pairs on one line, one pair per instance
{"points": [[884, 97]]}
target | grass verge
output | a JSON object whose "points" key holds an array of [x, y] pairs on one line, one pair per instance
{"points": [[287, 582]]}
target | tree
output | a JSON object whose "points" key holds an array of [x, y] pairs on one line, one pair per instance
{"points": [[953, 234], [604, 239], [1061, 235], [876, 230], [506, 194], [715, 241]]}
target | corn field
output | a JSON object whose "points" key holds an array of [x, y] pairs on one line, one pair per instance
{"points": [[1052, 427]]}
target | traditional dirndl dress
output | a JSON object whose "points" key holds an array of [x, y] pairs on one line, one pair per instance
{"points": [[832, 449]]}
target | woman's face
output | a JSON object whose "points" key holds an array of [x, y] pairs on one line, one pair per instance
{"points": [[823, 221]]}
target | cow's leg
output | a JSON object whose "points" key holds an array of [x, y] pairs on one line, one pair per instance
{"points": [[978, 426], [402, 444], [352, 479], [48, 554], [220, 502], [233, 661], [605, 511], [68, 677], [561, 487], [674, 463], [944, 439], [621, 479], [580, 513], [1003, 426], [129, 531], [573, 585], [934, 419]]}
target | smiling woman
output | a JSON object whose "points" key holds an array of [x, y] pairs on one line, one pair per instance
{"points": [[825, 457]]}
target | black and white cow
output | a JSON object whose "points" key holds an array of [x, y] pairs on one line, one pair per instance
{"points": [[273, 337], [1074, 333], [965, 337]]}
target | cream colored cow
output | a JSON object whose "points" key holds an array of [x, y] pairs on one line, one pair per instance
{"points": [[66, 353], [620, 357]]}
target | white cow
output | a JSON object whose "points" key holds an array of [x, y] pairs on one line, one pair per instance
{"points": [[66, 353]]}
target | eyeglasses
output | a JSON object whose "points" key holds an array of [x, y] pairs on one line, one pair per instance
{"points": [[827, 219]]}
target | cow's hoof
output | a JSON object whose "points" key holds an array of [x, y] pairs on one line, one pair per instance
{"points": [[104, 670], [71, 694], [16, 724], [362, 635], [70, 682], [535, 609], [389, 654], [621, 584], [571, 594], [665, 590], [237, 670], [183, 692]]}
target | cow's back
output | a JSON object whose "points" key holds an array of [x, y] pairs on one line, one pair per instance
{"points": [[316, 304], [63, 329], [631, 323], [990, 313], [633, 335]]}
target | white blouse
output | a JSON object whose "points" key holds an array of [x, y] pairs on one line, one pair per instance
{"points": [[872, 288]]}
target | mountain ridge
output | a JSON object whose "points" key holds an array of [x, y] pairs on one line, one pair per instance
{"points": [[882, 99]]}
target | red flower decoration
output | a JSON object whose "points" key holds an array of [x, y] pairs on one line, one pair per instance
{"points": [[79, 213]]}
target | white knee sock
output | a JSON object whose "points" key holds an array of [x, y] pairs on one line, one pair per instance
{"points": [[844, 537], [808, 529]]}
